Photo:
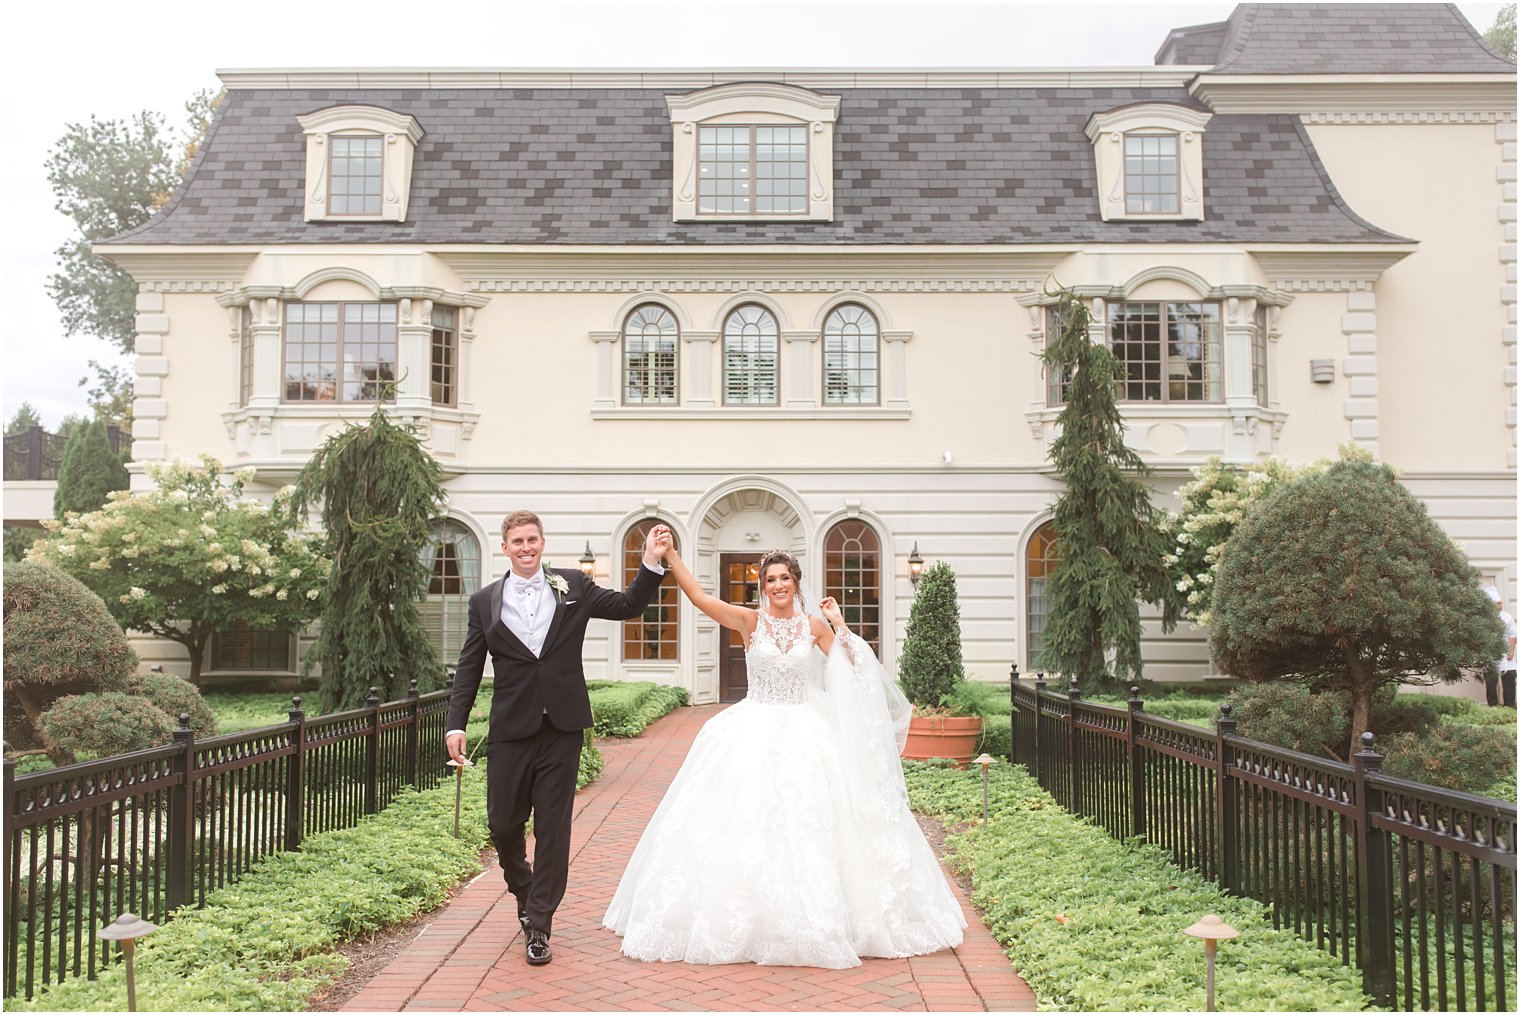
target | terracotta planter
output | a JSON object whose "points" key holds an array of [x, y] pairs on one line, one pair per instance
{"points": [[950, 736]]}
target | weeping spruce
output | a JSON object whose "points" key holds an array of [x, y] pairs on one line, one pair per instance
{"points": [[1111, 547], [379, 494]]}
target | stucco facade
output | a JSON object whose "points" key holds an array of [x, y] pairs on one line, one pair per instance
{"points": [[1397, 267]]}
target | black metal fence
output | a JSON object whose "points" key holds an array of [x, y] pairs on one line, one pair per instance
{"points": [[1413, 883], [152, 831], [35, 454]]}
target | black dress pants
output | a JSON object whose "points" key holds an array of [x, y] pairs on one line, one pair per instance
{"points": [[535, 774]]}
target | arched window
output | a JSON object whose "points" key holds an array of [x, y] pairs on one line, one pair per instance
{"points": [[751, 357], [1041, 560], [452, 557], [649, 356], [851, 357], [654, 635], [852, 575]]}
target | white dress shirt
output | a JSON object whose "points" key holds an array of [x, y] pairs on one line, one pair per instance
{"points": [[527, 607]]}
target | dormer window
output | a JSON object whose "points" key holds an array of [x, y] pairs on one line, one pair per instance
{"points": [[751, 152], [358, 163], [1149, 159]]}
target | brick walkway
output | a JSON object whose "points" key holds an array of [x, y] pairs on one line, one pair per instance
{"points": [[470, 957]]}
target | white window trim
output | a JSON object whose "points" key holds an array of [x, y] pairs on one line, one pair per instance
{"points": [[1238, 414], [750, 103], [1107, 131], [266, 412], [400, 134]]}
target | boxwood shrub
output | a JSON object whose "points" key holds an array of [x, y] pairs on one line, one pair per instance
{"points": [[1093, 924], [625, 709]]}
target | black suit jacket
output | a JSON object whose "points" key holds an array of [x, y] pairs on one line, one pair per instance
{"points": [[526, 685]]}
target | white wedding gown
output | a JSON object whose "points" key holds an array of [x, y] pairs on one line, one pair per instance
{"points": [[786, 838]]}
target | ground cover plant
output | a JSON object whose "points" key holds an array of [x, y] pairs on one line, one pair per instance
{"points": [[264, 943], [1094, 924], [626, 709]]}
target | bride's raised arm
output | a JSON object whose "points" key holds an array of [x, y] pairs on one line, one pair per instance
{"points": [[735, 618]]}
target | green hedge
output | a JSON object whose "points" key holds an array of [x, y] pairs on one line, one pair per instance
{"points": [[264, 943], [625, 709], [1093, 924]]}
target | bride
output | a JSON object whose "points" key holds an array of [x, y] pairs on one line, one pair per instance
{"points": [[786, 838]]}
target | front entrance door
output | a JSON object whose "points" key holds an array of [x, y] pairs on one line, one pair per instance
{"points": [[740, 584]]}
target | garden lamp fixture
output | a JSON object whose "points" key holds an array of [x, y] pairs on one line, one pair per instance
{"points": [[985, 761], [1211, 930], [915, 565], [588, 561], [127, 929], [458, 767]]}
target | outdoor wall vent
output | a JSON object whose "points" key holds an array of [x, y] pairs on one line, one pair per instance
{"points": [[1322, 371]]}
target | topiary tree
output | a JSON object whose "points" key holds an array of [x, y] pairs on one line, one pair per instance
{"points": [[1342, 580], [379, 493], [192, 556], [89, 473], [59, 641], [71, 686], [931, 664], [1109, 532], [1217, 499]]}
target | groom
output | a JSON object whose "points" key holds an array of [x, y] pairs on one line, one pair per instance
{"points": [[532, 622]]}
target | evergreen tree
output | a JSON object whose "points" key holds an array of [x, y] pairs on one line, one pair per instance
{"points": [[90, 471], [1343, 581], [1112, 546], [379, 494], [25, 418], [931, 662]]}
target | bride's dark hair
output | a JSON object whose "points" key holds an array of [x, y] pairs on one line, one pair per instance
{"points": [[773, 557]]}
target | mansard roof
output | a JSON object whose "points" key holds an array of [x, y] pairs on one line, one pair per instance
{"points": [[591, 165], [1292, 38]]}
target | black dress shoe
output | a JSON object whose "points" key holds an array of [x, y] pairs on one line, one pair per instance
{"points": [[538, 948]]}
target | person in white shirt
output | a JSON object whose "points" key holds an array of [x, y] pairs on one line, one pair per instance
{"points": [[1504, 679]]}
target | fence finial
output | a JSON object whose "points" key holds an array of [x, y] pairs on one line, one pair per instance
{"points": [[1368, 758]]}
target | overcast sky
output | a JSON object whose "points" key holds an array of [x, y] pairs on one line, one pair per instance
{"points": [[67, 61]]}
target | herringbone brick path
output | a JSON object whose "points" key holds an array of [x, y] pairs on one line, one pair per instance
{"points": [[470, 957]]}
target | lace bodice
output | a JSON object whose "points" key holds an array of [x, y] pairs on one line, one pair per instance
{"points": [[778, 660]]}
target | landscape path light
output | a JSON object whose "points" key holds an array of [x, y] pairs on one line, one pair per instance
{"points": [[127, 929], [1212, 930], [985, 760], [458, 767]]}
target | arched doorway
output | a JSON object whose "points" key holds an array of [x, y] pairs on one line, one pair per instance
{"points": [[733, 533]]}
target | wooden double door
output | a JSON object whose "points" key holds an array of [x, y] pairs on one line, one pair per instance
{"points": [[739, 584]]}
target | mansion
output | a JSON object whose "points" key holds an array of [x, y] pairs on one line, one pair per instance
{"points": [[805, 308]]}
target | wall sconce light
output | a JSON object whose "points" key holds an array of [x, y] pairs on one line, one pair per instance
{"points": [[915, 565], [588, 561], [1322, 371]]}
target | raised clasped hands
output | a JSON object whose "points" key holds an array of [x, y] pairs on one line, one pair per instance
{"points": [[658, 543]]}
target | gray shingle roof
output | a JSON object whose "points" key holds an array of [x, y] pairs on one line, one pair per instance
{"points": [[592, 166], [1194, 45], [1354, 39]]}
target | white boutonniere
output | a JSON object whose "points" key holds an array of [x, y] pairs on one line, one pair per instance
{"points": [[557, 583]]}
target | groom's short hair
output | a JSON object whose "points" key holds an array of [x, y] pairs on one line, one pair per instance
{"points": [[517, 519]]}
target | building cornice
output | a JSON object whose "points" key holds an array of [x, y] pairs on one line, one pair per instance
{"points": [[688, 79], [1487, 95], [1306, 269]]}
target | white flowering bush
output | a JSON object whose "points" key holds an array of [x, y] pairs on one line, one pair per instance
{"points": [[1213, 504], [192, 556]]}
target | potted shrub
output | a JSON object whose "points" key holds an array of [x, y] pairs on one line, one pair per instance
{"points": [[930, 669]]}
